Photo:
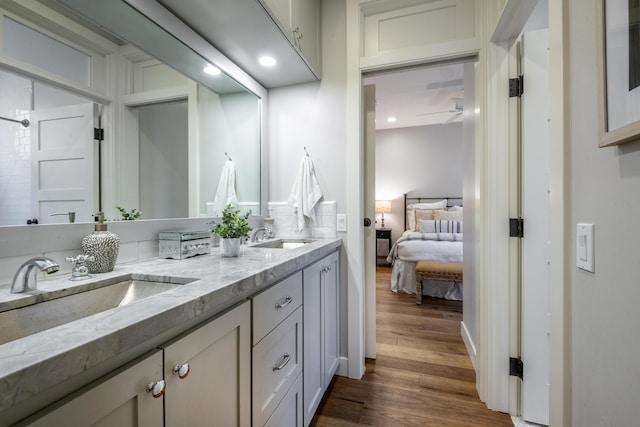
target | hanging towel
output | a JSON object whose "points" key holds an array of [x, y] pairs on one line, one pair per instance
{"points": [[305, 193], [226, 192]]}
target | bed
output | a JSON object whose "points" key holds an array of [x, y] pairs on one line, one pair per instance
{"points": [[433, 231]]}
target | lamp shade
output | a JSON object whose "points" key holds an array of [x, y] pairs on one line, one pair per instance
{"points": [[383, 206]]}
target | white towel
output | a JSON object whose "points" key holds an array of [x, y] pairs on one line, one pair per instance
{"points": [[226, 192], [305, 193]]}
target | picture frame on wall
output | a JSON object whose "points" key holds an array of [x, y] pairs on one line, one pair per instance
{"points": [[618, 40]]}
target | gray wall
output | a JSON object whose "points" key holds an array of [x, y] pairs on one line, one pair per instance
{"points": [[605, 184], [423, 160]]}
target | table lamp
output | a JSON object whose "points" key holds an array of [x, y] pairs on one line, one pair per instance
{"points": [[383, 206]]}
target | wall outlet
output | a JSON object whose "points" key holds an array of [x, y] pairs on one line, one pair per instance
{"points": [[341, 222]]}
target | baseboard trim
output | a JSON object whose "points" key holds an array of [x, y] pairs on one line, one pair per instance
{"points": [[468, 343], [343, 367]]}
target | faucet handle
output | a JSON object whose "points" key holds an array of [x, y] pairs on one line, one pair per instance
{"points": [[80, 271]]}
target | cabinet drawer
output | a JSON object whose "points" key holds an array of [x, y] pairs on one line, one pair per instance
{"points": [[274, 305], [383, 234], [289, 411], [277, 362]]}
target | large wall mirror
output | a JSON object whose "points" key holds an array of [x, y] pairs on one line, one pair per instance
{"points": [[175, 125]]}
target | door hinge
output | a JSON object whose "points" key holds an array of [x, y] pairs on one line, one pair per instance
{"points": [[98, 134], [516, 227], [516, 86], [516, 367]]}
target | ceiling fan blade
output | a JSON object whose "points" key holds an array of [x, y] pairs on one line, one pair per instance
{"points": [[452, 118], [437, 112]]}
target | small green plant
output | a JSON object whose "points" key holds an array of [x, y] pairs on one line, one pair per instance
{"points": [[128, 216], [233, 225]]}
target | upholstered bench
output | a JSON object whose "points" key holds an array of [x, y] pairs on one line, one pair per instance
{"points": [[436, 270]]}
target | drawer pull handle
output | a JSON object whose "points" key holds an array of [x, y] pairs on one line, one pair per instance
{"points": [[287, 301], [156, 388], [181, 370], [285, 360]]}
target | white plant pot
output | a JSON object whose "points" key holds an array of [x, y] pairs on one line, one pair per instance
{"points": [[230, 247]]}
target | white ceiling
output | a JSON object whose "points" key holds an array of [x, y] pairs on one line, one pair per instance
{"points": [[418, 96]]}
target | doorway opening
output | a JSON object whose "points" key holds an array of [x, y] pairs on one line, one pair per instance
{"points": [[423, 149]]}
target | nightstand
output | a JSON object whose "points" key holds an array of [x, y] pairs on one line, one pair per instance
{"points": [[382, 250]]}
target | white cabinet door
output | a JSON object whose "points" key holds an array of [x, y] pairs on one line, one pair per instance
{"points": [[307, 31], [312, 341], [321, 330], [331, 319], [118, 399], [217, 389]]}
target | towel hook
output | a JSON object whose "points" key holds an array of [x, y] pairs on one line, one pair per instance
{"points": [[305, 150], [225, 153]]}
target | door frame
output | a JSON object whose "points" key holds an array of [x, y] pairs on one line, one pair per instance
{"points": [[493, 344]]}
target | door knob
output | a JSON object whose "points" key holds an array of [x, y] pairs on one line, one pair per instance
{"points": [[367, 222]]}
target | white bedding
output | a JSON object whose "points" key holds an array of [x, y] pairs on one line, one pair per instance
{"points": [[412, 247]]}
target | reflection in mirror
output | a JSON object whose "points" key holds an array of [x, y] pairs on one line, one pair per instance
{"points": [[166, 134]]}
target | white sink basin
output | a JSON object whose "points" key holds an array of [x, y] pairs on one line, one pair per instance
{"points": [[283, 243], [88, 299]]}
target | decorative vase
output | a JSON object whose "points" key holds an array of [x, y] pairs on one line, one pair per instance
{"points": [[103, 245], [229, 247]]}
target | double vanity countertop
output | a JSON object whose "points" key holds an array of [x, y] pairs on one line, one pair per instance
{"points": [[82, 350]]}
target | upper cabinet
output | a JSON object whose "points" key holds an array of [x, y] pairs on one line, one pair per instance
{"points": [[299, 20], [245, 30]]}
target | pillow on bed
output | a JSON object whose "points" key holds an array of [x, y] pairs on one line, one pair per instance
{"points": [[412, 222], [448, 215], [415, 215], [455, 208], [439, 226], [442, 204]]}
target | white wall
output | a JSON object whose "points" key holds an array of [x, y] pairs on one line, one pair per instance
{"points": [[424, 161], [314, 115], [605, 183], [228, 123], [164, 183]]}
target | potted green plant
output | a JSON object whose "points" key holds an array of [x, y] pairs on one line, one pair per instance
{"points": [[231, 230]]}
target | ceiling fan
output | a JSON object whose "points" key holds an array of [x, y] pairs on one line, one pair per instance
{"points": [[457, 111]]}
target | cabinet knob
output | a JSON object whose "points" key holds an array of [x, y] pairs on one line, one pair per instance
{"points": [[285, 359], [181, 370], [156, 388], [287, 301]]}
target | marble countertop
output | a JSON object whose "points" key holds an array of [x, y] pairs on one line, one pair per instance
{"points": [[32, 365]]}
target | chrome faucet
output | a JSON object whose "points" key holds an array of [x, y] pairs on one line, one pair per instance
{"points": [[265, 231], [25, 278]]}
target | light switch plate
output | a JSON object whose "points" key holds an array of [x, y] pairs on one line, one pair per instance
{"points": [[585, 247], [341, 220]]}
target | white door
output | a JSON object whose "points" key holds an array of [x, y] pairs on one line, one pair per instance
{"points": [[369, 211], [64, 163], [535, 244]]}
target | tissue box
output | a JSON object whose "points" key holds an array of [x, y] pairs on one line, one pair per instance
{"points": [[181, 244]]}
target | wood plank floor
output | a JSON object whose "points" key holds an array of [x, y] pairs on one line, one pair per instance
{"points": [[422, 375]]}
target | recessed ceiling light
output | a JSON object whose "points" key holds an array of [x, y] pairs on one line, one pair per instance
{"points": [[211, 70], [267, 61], [392, 120]]}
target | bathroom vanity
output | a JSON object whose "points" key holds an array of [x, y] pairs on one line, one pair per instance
{"points": [[233, 339]]}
